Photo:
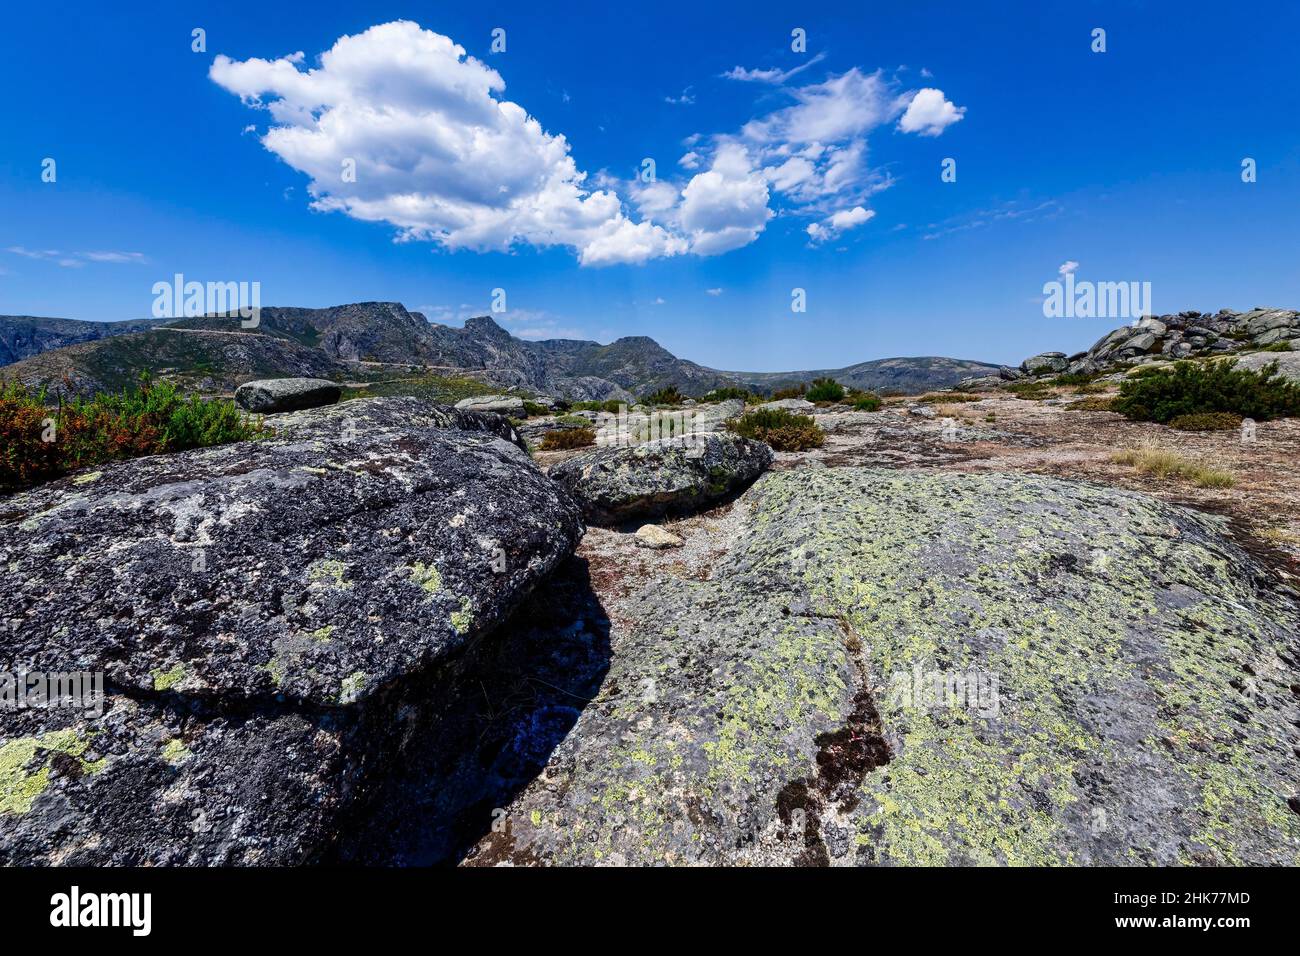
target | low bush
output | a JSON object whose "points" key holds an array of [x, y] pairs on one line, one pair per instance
{"points": [[781, 429], [1091, 405], [664, 396], [728, 393], [611, 405], [578, 421], [791, 391], [1072, 378], [1030, 390], [1205, 422], [532, 409], [568, 438], [1190, 388], [39, 443], [949, 398], [865, 402], [824, 390]]}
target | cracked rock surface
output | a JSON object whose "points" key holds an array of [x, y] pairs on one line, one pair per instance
{"points": [[920, 667], [255, 607]]}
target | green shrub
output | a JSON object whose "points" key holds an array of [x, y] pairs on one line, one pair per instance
{"points": [[866, 402], [728, 393], [824, 390], [780, 429], [949, 398], [147, 420], [1030, 390], [568, 438], [790, 391], [1205, 422], [611, 405], [1072, 378], [575, 420], [664, 396], [533, 408], [1189, 388], [1092, 405]]}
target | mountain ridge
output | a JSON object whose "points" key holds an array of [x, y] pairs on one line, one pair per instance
{"points": [[217, 353]]}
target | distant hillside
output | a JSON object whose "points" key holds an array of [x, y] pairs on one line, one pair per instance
{"points": [[22, 336], [374, 339], [905, 375]]}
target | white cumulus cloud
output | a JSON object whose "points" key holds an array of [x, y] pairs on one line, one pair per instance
{"points": [[436, 152], [1067, 267], [930, 113], [839, 222]]}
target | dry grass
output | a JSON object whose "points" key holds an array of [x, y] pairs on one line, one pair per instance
{"points": [[1163, 463]]}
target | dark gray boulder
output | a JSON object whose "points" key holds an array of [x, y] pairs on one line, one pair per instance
{"points": [[270, 395], [671, 475], [1045, 363], [914, 667], [254, 607]]}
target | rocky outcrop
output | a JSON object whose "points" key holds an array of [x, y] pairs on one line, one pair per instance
{"points": [[713, 416], [1288, 363], [271, 395], [500, 404], [670, 475], [788, 404], [261, 612], [1171, 337], [1045, 363], [898, 667]]}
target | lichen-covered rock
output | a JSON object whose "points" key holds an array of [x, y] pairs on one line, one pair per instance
{"points": [[671, 475], [501, 404], [1288, 363], [713, 416], [789, 404], [271, 395], [1045, 363], [252, 605], [896, 667]]}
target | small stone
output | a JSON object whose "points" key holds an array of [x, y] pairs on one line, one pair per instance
{"points": [[653, 536]]}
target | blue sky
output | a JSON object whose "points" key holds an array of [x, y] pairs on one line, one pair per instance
{"points": [[1127, 163]]}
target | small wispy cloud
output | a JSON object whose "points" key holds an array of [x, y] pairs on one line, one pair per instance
{"points": [[75, 260], [713, 291], [1067, 267], [686, 99], [771, 76], [1007, 212], [115, 256]]}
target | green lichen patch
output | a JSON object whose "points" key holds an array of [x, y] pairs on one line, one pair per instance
{"points": [[462, 619], [426, 576], [25, 766], [328, 572], [164, 680], [175, 751], [352, 687]]}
